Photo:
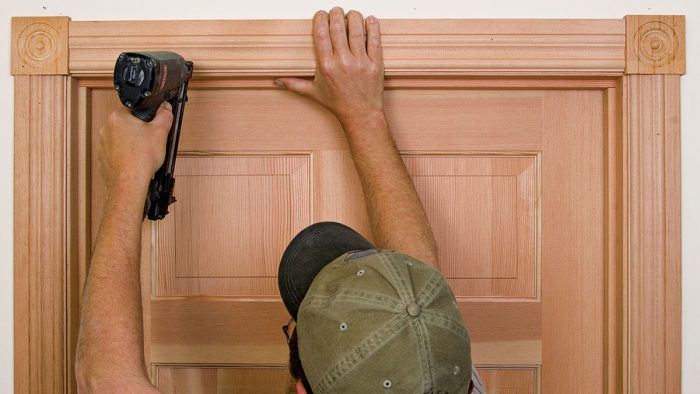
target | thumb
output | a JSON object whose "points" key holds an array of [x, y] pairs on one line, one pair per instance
{"points": [[164, 117], [296, 85]]}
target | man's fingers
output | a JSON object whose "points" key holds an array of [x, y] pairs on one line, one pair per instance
{"points": [[356, 34], [339, 35], [322, 38], [296, 85], [374, 41]]}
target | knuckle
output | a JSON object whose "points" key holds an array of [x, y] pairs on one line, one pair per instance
{"points": [[113, 118], [347, 62], [337, 26], [326, 65]]}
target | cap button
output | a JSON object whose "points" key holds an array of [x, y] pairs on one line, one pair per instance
{"points": [[413, 309]]}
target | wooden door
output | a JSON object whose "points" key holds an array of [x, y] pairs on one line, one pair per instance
{"points": [[513, 182], [546, 153]]}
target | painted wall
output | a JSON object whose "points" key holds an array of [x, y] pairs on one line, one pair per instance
{"points": [[279, 9]]}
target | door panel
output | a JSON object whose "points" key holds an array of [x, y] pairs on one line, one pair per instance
{"points": [[512, 181]]}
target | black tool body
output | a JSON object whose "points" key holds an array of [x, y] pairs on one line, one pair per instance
{"points": [[144, 80]]}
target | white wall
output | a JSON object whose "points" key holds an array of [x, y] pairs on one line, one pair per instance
{"points": [[280, 9]]}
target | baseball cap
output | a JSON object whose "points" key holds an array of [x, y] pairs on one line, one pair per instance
{"points": [[372, 320]]}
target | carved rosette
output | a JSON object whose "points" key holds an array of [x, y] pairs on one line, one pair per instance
{"points": [[655, 44], [40, 46]]}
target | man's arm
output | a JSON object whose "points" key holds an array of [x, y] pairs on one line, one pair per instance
{"points": [[110, 345], [349, 82]]}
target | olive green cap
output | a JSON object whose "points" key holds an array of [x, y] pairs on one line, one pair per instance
{"points": [[378, 321]]}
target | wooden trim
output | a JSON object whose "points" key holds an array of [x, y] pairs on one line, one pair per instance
{"points": [[40, 45], [39, 234], [655, 44], [51, 202], [652, 253], [411, 47]]}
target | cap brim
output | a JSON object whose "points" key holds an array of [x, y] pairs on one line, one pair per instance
{"points": [[306, 255]]}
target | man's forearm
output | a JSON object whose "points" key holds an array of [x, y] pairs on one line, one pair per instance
{"points": [[111, 334], [392, 201]]}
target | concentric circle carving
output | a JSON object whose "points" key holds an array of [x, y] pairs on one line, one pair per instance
{"points": [[656, 44], [39, 43]]}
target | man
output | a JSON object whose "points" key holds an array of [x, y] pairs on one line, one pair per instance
{"points": [[370, 320]]}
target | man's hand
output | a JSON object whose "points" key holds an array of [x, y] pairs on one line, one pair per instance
{"points": [[131, 150], [350, 82], [349, 67]]}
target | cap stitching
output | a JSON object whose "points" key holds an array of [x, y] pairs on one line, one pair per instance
{"points": [[428, 349], [360, 297], [420, 337], [440, 320], [402, 288], [431, 290], [365, 349]]}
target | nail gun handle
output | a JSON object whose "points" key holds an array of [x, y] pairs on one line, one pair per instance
{"points": [[160, 190]]}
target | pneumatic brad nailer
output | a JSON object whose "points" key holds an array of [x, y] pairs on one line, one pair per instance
{"points": [[144, 80]]}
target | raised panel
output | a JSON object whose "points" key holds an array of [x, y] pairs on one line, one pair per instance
{"points": [[509, 380], [193, 380], [483, 211], [234, 219]]}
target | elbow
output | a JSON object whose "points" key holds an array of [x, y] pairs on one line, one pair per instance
{"points": [[85, 378], [88, 379]]}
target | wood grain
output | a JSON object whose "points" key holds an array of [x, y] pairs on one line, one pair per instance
{"points": [[233, 380], [608, 169], [40, 45], [235, 217], [652, 261], [573, 238], [483, 211], [411, 47], [234, 331], [655, 44], [510, 380], [39, 235]]}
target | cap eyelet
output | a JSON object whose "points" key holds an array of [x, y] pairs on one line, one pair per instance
{"points": [[455, 370], [387, 384], [343, 326], [361, 272]]}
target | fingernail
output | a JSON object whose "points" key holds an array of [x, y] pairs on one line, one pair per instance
{"points": [[372, 19], [279, 83]]}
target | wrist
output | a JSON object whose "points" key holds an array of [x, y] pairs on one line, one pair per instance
{"points": [[129, 188], [361, 119]]}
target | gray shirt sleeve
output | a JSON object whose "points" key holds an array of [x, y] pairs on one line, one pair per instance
{"points": [[478, 384]]}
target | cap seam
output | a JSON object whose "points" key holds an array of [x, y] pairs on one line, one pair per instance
{"points": [[361, 352], [407, 297], [440, 320], [422, 351], [431, 290], [362, 297], [428, 349]]}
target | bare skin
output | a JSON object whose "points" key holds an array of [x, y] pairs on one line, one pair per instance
{"points": [[349, 82], [110, 358]]}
